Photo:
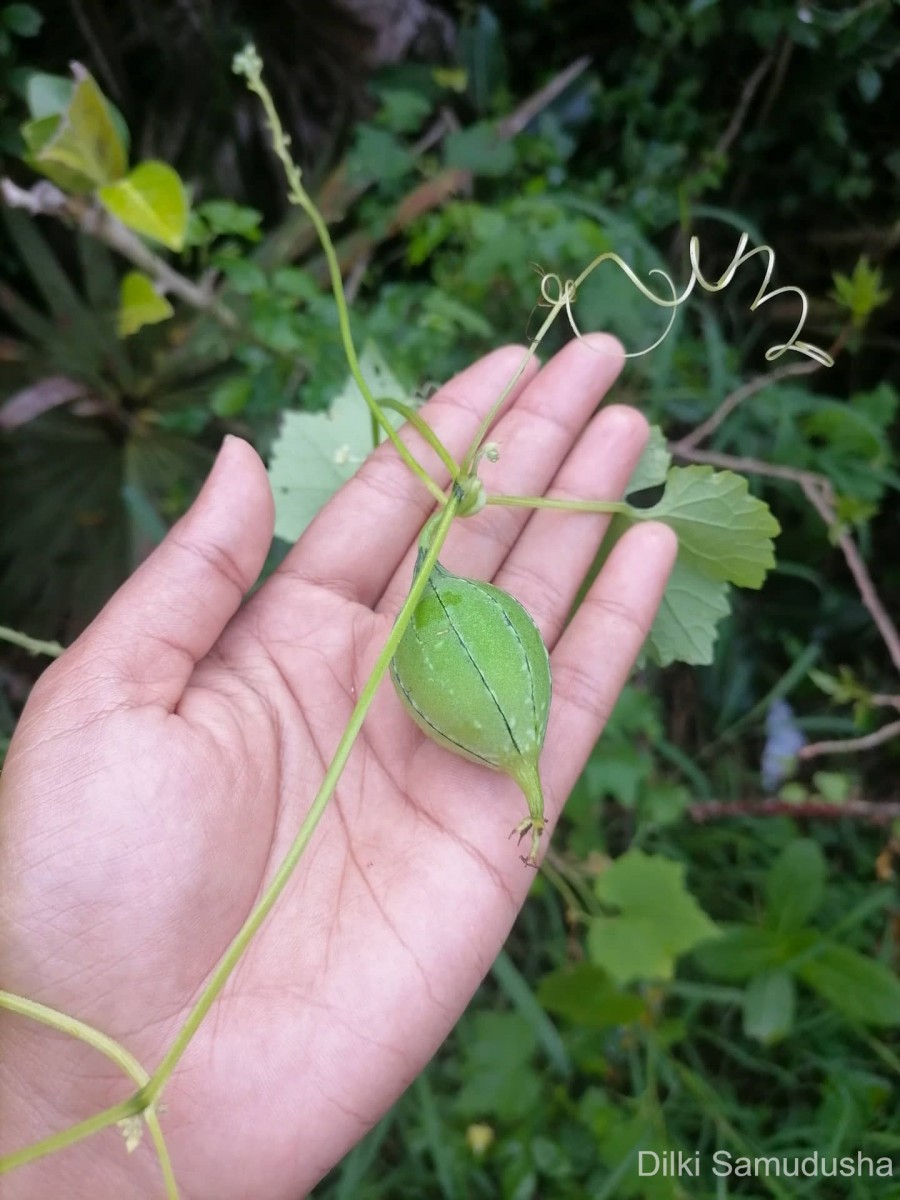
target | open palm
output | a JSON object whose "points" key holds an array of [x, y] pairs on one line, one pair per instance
{"points": [[165, 762]]}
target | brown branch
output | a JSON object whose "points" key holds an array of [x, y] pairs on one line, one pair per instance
{"points": [[820, 500], [784, 57], [738, 396], [749, 466], [752, 386], [851, 745], [45, 199], [521, 117], [876, 812], [748, 91], [775, 85]]}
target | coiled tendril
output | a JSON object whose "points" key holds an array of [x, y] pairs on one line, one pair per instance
{"points": [[554, 290]]}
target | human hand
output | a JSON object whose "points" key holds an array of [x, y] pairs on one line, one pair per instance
{"points": [[164, 764]]}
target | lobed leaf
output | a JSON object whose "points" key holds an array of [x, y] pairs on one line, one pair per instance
{"points": [[721, 528], [658, 919], [316, 453], [685, 626], [724, 536]]}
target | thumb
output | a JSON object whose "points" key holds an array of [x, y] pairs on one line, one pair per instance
{"points": [[144, 644]]}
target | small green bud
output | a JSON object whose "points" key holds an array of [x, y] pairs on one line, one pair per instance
{"points": [[473, 672], [472, 496]]}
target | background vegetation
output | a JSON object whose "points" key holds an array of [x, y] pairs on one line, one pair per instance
{"points": [[451, 153]]}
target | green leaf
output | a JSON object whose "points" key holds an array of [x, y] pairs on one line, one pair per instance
{"points": [[724, 536], [316, 453], [498, 1077], [583, 993], [622, 768], [22, 20], [653, 465], [455, 79], [296, 283], [225, 217], [402, 110], [868, 80], [744, 951], [379, 155], [230, 398], [245, 277], [859, 987], [795, 884], [48, 95], [833, 786], [769, 1003], [36, 134], [151, 201], [479, 149], [684, 629], [86, 139], [658, 920], [861, 292], [140, 304], [628, 949], [721, 528]]}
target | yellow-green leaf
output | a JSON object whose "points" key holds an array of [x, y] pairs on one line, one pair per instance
{"points": [[140, 304], [151, 201], [36, 134], [85, 140]]}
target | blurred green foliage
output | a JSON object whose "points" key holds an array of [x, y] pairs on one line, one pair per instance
{"points": [[670, 985]]}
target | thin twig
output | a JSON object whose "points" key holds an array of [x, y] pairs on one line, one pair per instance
{"points": [[748, 91], [820, 500], [534, 105], [738, 396], [748, 466], [784, 57], [45, 199], [851, 745], [757, 384], [877, 812]]}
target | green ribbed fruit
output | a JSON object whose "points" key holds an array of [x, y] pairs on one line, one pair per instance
{"points": [[473, 672]]}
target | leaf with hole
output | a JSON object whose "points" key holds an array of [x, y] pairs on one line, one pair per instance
{"points": [[721, 528]]}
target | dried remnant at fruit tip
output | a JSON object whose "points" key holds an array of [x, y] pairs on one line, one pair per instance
{"points": [[473, 672]]}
